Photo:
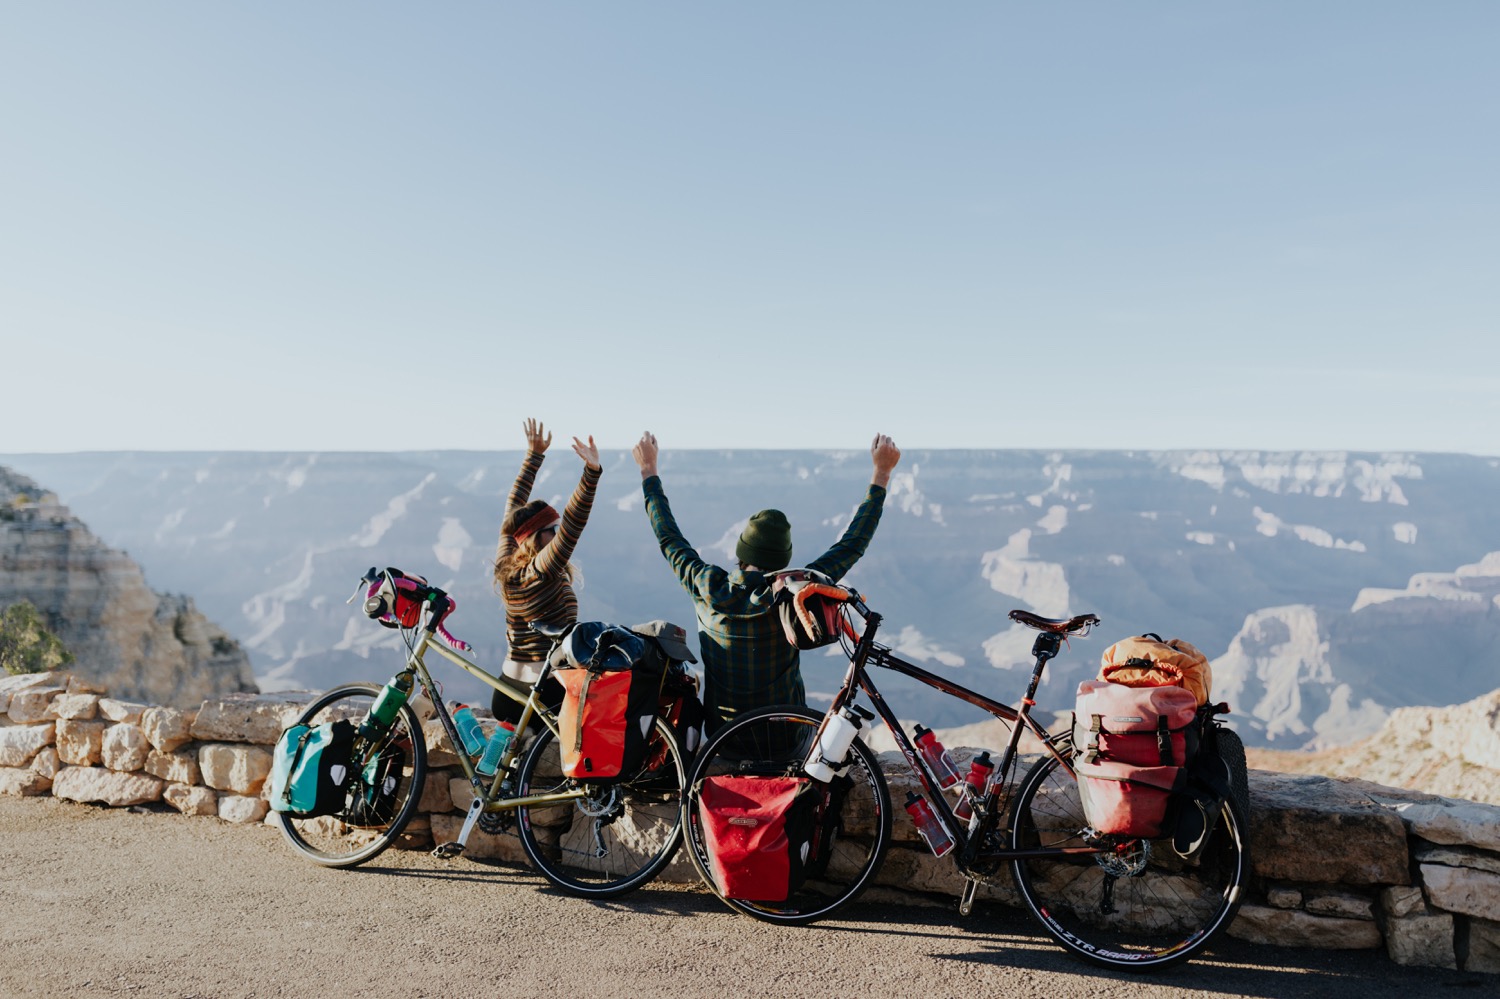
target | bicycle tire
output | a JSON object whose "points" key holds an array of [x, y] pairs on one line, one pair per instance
{"points": [[779, 738], [614, 840], [1167, 908], [333, 840]]}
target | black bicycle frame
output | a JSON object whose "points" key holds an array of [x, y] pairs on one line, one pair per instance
{"points": [[867, 653]]}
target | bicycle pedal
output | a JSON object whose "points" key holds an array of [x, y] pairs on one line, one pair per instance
{"points": [[448, 851]]}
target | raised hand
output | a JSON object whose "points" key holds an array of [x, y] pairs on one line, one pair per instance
{"points": [[644, 453], [537, 438], [588, 452], [884, 454]]}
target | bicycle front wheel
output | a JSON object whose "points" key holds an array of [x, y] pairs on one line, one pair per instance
{"points": [[383, 788], [1138, 907], [615, 838], [775, 741]]}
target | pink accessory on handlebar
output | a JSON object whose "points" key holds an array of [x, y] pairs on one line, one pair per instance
{"points": [[403, 598]]}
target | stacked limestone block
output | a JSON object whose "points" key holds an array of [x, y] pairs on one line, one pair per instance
{"points": [[1337, 863]]}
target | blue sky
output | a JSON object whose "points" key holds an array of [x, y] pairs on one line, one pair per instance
{"points": [[1065, 225]]}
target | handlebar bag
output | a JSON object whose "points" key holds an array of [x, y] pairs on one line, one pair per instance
{"points": [[310, 769], [761, 833], [1132, 745], [808, 604], [612, 682]]}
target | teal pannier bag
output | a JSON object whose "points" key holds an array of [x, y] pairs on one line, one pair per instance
{"points": [[310, 769]]}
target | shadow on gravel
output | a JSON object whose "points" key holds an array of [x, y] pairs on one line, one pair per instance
{"points": [[1009, 939]]}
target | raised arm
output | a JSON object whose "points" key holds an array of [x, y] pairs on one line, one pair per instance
{"points": [[575, 515], [537, 442], [839, 559], [691, 570]]}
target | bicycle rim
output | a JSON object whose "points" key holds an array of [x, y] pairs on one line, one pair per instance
{"points": [[777, 740], [616, 838], [360, 832], [1166, 908]]}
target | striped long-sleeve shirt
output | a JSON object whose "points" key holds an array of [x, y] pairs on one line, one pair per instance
{"points": [[747, 661], [542, 591]]}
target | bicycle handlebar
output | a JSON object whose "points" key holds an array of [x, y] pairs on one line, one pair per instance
{"points": [[398, 600]]}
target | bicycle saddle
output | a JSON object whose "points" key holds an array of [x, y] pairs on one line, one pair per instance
{"points": [[1061, 625]]}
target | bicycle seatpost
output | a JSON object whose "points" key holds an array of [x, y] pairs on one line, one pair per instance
{"points": [[1045, 647]]}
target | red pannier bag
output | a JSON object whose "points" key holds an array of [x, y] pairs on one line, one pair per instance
{"points": [[612, 681], [761, 833], [1131, 745]]}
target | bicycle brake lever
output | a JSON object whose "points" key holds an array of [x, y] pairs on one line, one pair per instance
{"points": [[363, 584]]}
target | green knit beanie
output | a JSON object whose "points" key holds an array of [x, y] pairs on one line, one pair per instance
{"points": [[766, 541]]}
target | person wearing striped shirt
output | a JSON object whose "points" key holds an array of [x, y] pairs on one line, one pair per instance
{"points": [[747, 661], [533, 573]]}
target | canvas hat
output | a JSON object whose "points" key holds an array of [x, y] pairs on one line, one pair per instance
{"points": [[671, 637]]}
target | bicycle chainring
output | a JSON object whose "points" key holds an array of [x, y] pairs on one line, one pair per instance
{"points": [[496, 823]]}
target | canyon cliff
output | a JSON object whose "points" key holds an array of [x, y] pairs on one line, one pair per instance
{"points": [[140, 644]]}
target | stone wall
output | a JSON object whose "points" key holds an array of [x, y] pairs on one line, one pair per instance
{"points": [[1337, 862]]}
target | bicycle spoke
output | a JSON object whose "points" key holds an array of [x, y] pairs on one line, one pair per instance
{"points": [[1138, 905], [370, 821], [775, 742], [615, 837]]}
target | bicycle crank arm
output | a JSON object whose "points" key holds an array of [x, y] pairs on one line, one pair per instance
{"points": [[450, 850], [966, 900]]}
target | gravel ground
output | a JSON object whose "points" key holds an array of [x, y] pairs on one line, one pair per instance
{"points": [[98, 901]]}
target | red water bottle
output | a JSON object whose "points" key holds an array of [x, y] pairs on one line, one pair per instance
{"points": [[937, 758], [928, 826], [979, 775]]}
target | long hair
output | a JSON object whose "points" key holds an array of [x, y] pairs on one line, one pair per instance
{"points": [[525, 551]]}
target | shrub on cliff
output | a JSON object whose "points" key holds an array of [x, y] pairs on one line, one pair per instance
{"points": [[26, 646]]}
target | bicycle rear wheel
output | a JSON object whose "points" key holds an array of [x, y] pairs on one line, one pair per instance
{"points": [[614, 839], [776, 741], [375, 812], [1139, 907]]}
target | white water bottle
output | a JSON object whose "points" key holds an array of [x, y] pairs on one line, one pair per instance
{"points": [[833, 746]]}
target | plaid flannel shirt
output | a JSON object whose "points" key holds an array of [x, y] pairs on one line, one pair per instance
{"points": [[747, 661]]}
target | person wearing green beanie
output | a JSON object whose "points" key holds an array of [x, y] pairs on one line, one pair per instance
{"points": [[747, 661], [766, 542]]}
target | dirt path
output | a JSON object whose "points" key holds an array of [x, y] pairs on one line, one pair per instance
{"points": [[98, 901]]}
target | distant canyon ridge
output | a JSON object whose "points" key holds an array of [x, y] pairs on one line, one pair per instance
{"points": [[1329, 588], [125, 637]]}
